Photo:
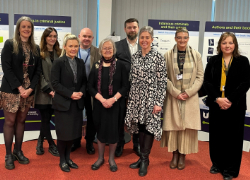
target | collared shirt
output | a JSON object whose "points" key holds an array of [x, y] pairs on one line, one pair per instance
{"points": [[83, 55], [132, 48], [73, 66]]}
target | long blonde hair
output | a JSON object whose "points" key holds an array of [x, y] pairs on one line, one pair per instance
{"points": [[17, 38], [67, 37]]}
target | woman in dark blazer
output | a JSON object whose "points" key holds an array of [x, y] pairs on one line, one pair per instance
{"points": [[68, 79], [226, 81], [21, 66], [50, 51]]}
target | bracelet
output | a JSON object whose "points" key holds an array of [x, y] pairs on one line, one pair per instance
{"points": [[115, 98]]}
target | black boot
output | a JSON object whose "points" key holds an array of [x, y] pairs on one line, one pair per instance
{"points": [[136, 164], [145, 151], [141, 145], [39, 147], [18, 155], [9, 162], [53, 149]]}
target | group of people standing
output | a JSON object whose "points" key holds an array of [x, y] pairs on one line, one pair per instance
{"points": [[127, 82]]}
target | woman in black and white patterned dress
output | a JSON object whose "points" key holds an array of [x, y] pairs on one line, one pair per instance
{"points": [[148, 78]]}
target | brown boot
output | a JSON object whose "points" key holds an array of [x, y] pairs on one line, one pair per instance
{"points": [[181, 162], [174, 161]]}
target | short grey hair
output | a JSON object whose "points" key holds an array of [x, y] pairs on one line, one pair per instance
{"points": [[182, 29], [148, 29], [106, 40]]}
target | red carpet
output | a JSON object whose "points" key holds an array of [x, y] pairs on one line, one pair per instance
{"points": [[46, 166]]}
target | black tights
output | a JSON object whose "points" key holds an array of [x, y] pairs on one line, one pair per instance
{"points": [[64, 149], [101, 149], [46, 115], [14, 125]]}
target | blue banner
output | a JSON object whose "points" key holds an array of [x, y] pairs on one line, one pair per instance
{"points": [[173, 24], [43, 20], [235, 27], [4, 19]]}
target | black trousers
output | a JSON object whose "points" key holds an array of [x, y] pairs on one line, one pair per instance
{"points": [[226, 132], [46, 115], [90, 127]]}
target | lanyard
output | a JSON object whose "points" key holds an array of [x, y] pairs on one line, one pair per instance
{"points": [[79, 53]]}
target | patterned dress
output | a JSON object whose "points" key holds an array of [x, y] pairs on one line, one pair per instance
{"points": [[148, 78], [14, 102]]}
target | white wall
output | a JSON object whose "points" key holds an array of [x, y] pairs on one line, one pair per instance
{"points": [[105, 11]]}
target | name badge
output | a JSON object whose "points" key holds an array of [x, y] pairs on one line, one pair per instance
{"points": [[179, 76]]}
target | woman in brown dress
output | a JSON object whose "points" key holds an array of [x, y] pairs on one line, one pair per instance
{"points": [[21, 66]]}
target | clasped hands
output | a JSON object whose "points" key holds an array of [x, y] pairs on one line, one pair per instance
{"points": [[76, 95], [224, 103], [24, 93], [183, 96], [108, 103]]}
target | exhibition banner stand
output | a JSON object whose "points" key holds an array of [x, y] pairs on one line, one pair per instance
{"points": [[61, 23], [4, 35], [213, 31], [164, 33]]}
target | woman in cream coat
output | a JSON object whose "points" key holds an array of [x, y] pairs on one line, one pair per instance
{"points": [[181, 119]]}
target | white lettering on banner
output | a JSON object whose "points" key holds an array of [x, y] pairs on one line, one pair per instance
{"points": [[33, 113], [205, 115]]}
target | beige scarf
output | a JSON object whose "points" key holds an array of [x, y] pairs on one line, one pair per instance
{"points": [[184, 83]]}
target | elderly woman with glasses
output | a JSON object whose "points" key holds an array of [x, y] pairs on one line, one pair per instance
{"points": [[181, 119], [107, 84]]}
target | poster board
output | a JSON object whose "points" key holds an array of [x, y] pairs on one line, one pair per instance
{"points": [[164, 33]]}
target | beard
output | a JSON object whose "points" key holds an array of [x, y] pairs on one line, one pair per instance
{"points": [[132, 36]]}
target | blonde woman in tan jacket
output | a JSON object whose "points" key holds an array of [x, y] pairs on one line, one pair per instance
{"points": [[181, 119]]}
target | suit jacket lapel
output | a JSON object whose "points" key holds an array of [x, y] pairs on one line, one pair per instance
{"points": [[79, 69], [47, 59], [126, 48]]}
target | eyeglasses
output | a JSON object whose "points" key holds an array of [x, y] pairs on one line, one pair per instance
{"points": [[107, 49], [179, 37]]}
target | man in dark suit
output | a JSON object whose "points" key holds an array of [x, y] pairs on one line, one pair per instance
{"points": [[125, 49], [90, 55]]}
